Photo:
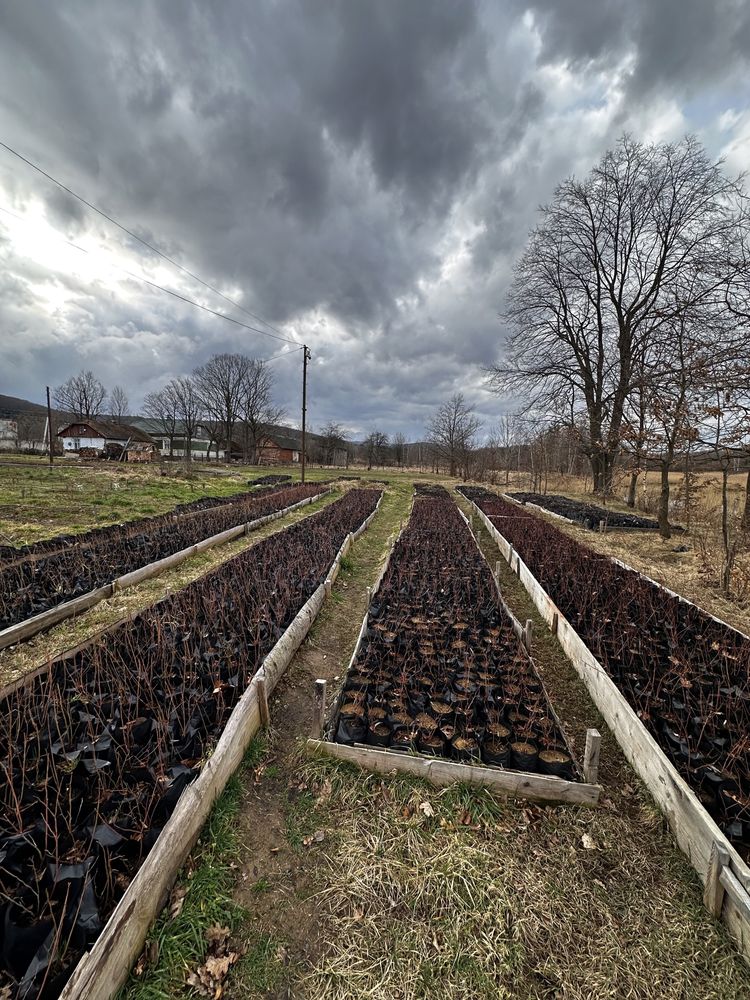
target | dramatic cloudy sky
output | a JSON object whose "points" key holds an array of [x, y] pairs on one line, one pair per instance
{"points": [[360, 173]]}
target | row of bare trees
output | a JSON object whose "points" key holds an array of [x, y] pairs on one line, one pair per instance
{"points": [[630, 313], [231, 396], [83, 395]]}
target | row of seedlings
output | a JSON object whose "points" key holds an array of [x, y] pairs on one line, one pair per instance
{"points": [[440, 669], [45, 546], [40, 582], [96, 750], [587, 514], [685, 674]]}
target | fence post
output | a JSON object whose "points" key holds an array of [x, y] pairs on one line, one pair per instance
{"points": [[591, 756], [319, 712]]}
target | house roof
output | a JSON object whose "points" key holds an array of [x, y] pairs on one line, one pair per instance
{"points": [[109, 431], [287, 441]]}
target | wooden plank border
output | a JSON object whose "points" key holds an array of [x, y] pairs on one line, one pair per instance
{"points": [[105, 967], [696, 833], [438, 771], [518, 783], [25, 630]]}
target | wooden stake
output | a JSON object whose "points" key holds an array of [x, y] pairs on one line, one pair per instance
{"points": [[320, 709], [528, 633], [602, 527], [265, 715], [497, 569], [591, 756], [713, 896], [555, 622]]}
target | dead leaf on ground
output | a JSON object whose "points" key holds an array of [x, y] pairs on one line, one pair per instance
{"points": [[426, 808], [208, 979], [177, 901], [588, 842]]}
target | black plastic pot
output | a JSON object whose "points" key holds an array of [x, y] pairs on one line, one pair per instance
{"points": [[465, 749], [524, 755], [496, 752], [379, 734], [556, 763], [401, 739]]}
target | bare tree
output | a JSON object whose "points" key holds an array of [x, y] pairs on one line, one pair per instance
{"points": [[399, 449], [256, 408], [452, 433], [597, 283], [82, 395], [118, 403], [162, 406], [376, 443], [221, 386], [188, 410], [332, 439]]}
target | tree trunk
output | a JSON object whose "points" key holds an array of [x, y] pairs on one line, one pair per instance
{"points": [[726, 575], [664, 529], [633, 487], [746, 509]]}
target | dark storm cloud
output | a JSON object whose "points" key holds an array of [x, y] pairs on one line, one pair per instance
{"points": [[684, 43], [364, 170]]}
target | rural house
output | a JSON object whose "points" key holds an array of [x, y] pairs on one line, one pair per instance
{"points": [[87, 437], [279, 449]]}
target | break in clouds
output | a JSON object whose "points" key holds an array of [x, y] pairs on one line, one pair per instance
{"points": [[360, 174]]}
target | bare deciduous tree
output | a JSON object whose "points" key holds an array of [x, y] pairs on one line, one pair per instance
{"points": [[256, 408], [118, 403], [332, 439], [603, 275], [376, 443], [399, 449], [162, 406], [221, 385], [452, 433], [82, 395], [188, 410]]}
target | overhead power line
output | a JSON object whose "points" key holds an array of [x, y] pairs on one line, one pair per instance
{"points": [[278, 334], [168, 291]]}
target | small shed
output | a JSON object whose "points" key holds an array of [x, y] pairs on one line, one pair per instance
{"points": [[279, 449], [87, 437]]}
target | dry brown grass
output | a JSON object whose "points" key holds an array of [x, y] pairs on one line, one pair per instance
{"points": [[457, 894]]}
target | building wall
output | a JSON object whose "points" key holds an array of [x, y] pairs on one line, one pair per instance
{"points": [[71, 445]]}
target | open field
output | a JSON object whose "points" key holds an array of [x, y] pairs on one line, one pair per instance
{"points": [[338, 885]]}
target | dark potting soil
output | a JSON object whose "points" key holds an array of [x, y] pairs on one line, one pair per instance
{"points": [[38, 583], [440, 669], [97, 750], [685, 674]]}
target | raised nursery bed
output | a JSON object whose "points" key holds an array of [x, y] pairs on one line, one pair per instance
{"points": [[440, 670], [38, 583], [588, 514], [98, 749], [671, 681]]}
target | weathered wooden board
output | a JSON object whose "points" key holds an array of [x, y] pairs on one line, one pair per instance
{"points": [[695, 831], [517, 784]]}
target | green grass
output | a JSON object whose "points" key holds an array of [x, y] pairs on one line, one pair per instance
{"points": [[209, 881]]}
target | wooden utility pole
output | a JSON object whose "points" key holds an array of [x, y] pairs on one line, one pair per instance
{"points": [[49, 431], [305, 359]]}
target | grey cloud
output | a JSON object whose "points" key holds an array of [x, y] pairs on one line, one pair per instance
{"points": [[374, 164]]}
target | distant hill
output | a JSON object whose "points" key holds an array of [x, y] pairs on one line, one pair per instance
{"points": [[12, 406]]}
